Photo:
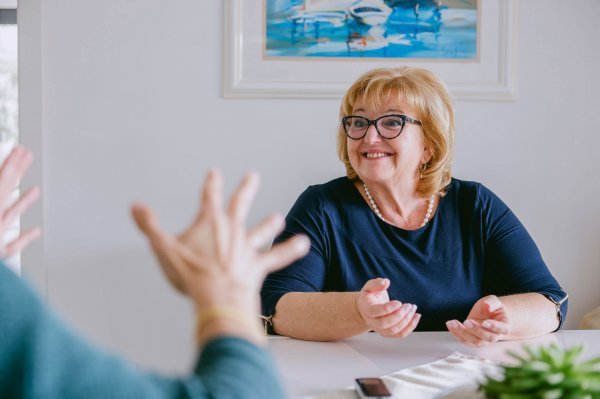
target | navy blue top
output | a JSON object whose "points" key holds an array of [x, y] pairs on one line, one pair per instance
{"points": [[473, 246]]}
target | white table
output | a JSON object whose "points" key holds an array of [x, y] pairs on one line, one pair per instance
{"points": [[310, 368]]}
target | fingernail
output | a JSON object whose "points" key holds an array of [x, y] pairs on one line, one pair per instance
{"points": [[468, 324], [487, 324], [450, 324]]}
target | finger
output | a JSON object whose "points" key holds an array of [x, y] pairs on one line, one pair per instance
{"points": [[481, 333], [496, 326], [242, 198], [162, 245], [263, 234], [454, 327], [21, 205], [412, 325], [12, 169], [399, 318], [284, 253], [493, 303], [374, 311], [212, 194], [454, 330], [376, 285], [463, 334], [214, 213], [22, 242], [146, 220]]}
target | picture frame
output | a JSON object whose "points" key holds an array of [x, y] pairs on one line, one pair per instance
{"points": [[249, 74]]}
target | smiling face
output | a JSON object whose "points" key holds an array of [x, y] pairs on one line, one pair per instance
{"points": [[387, 161]]}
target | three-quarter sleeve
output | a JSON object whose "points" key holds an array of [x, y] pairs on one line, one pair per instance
{"points": [[513, 263], [309, 273]]}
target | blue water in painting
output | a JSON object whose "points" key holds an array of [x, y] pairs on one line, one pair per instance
{"points": [[430, 31]]}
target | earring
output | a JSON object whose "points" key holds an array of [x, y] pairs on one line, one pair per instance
{"points": [[423, 168]]}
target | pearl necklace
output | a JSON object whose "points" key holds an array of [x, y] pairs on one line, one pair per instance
{"points": [[378, 212]]}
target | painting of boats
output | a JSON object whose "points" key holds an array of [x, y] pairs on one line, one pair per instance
{"points": [[430, 29]]}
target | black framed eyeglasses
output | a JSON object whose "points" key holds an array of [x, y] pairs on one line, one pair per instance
{"points": [[387, 126]]}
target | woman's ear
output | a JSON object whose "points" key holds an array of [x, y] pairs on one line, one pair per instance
{"points": [[427, 155]]}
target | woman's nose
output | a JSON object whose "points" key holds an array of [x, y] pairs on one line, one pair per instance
{"points": [[372, 136]]}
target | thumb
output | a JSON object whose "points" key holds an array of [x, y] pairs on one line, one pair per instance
{"points": [[376, 285], [492, 303], [145, 219]]}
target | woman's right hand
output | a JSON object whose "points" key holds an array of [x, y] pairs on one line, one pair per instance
{"points": [[391, 319]]}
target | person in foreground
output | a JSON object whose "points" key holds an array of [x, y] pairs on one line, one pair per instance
{"points": [[215, 262], [398, 244]]}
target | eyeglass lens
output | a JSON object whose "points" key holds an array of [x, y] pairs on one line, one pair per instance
{"points": [[388, 126]]}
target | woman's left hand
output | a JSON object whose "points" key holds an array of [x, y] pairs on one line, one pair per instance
{"points": [[488, 322]]}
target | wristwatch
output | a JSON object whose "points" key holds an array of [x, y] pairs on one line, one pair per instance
{"points": [[559, 315]]}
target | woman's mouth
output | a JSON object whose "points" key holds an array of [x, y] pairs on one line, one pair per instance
{"points": [[374, 155]]}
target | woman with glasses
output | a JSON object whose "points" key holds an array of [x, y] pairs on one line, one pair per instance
{"points": [[399, 244]]}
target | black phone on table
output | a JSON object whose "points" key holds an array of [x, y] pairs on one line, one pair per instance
{"points": [[372, 388]]}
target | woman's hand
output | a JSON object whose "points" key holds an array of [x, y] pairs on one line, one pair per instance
{"points": [[487, 322], [11, 172], [215, 261], [388, 318]]}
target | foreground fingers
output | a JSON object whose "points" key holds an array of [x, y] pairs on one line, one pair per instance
{"points": [[263, 234], [12, 169], [163, 245], [146, 220], [20, 243], [161, 242], [284, 253], [20, 206], [242, 198], [211, 199]]}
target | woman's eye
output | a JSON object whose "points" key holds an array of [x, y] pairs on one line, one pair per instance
{"points": [[392, 123]]}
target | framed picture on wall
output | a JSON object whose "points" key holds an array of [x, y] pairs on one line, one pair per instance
{"points": [[317, 48]]}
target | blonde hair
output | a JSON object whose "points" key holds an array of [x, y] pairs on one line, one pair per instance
{"points": [[428, 96]]}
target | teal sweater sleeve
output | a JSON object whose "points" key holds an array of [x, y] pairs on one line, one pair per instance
{"points": [[40, 358]]}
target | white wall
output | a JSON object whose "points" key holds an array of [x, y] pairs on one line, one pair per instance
{"points": [[131, 108]]}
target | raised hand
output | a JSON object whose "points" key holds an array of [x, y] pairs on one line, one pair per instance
{"points": [[487, 322], [11, 172], [388, 318], [215, 261]]}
